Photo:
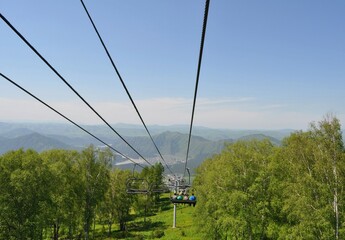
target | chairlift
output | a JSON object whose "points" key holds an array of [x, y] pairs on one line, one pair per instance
{"points": [[159, 188], [136, 185], [181, 195], [183, 199]]}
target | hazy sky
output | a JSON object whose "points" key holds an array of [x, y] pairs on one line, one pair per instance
{"points": [[267, 64]]}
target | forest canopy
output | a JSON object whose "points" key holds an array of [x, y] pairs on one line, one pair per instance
{"points": [[255, 190], [62, 193]]}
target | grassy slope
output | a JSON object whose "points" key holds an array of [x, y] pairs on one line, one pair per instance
{"points": [[162, 221], [185, 229]]}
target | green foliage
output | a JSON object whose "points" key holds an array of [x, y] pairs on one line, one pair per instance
{"points": [[233, 191], [150, 178], [116, 204], [93, 165], [65, 198], [62, 194], [253, 190], [39, 192], [25, 188], [157, 234], [313, 193]]}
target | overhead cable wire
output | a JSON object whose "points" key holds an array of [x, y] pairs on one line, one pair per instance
{"points": [[123, 83], [59, 75], [207, 3], [74, 123]]}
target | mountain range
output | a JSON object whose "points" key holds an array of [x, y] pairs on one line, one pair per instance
{"points": [[170, 140]]}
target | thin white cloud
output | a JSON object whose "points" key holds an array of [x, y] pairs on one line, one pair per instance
{"points": [[223, 101], [273, 106], [25, 110], [217, 113], [244, 119]]}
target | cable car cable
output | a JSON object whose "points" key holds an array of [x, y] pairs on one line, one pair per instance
{"points": [[207, 3], [77, 125], [59, 75], [123, 83]]}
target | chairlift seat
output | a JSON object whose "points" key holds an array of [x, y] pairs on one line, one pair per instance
{"points": [[137, 186], [182, 201], [159, 188], [137, 191]]}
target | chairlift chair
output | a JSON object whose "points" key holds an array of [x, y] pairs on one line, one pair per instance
{"points": [[159, 188], [137, 186], [181, 196], [183, 199]]}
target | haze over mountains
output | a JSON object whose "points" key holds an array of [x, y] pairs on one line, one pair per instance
{"points": [[171, 140]]}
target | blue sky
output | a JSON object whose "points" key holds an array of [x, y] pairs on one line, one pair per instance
{"points": [[266, 64]]}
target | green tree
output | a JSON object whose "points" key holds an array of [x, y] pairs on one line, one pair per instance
{"points": [[150, 179], [94, 165], [331, 164], [65, 196], [117, 202], [233, 192], [24, 195], [154, 176], [313, 194]]}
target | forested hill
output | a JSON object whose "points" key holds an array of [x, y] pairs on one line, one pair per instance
{"points": [[32, 140], [131, 130], [171, 141], [171, 144], [260, 137]]}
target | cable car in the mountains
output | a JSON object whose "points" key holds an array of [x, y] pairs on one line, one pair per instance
{"points": [[181, 193], [183, 198], [136, 185], [159, 188]]}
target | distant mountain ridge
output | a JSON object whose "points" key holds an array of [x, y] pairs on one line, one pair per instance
{"points": [[17, 132], [32, 140], [171, 141], [132, 130], [172, 145]]}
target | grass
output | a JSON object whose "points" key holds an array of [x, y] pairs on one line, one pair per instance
{"points": [[160, 225]]}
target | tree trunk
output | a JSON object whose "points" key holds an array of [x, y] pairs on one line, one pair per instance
{"points": [[336, 213], [335, 202], [109, 228], [122, 226], [56, 231], [87, 221], [250, 233]]}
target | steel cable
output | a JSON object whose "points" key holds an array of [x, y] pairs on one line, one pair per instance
{"points": [[59, 75], [207, 3], [77, 125], [123, 83]]}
